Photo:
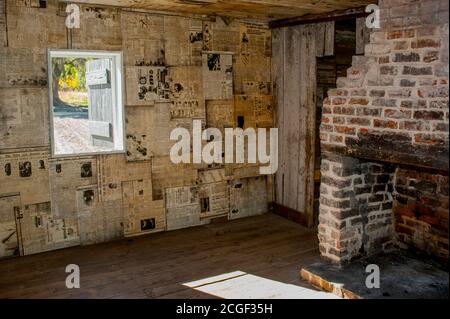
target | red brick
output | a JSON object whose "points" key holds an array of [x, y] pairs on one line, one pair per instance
{"points": [[337, 92], [385, 124], [410, 70], [430, 220], [407, 83], [428, 201], [395, 34], [339, 101], [404, 229], [440, 82], [368, 111], [429, 139], [425, 43], [323, 137], [326, 110], [363, 130], [358, 121], [377, 93], [401, 93], [346, 110], [359, 92], [405, 210], [338, 120], [439, 104], [431, 56], [406, 57], [360, 101], [388, 70], [397, 114], [418, 104], [409, 33], [326, 128], [422, 93], [345, 130], [442, 127], [352, 72], [325, 119], [401, 45], [383, 59], [429, 115], [336, 139], [385, 102], [440, 91], [414, 126]]}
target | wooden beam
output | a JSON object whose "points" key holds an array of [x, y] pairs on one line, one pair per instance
{"points": [[321, 17]]}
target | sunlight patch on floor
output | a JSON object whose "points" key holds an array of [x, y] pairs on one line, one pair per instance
{"points": [[241, 285]]}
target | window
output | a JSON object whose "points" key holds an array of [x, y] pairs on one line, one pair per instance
{"points": [[86, 102]]}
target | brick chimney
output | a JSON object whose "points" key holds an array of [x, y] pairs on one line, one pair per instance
{"points": [[384, 138]]}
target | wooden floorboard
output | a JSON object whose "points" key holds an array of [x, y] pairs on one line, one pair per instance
{"points": [[159, 265]]}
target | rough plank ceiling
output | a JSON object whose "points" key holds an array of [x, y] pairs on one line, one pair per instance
{"points": [[266, 10]]}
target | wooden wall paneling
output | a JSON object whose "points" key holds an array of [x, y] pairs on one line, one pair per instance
{"points": [[278, 82], [308, 106], [291, 116], [320, 39], [294, 66], [329, 38], [303, 86]]}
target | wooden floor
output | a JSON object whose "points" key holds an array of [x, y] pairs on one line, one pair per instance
{"points": [[247, 255]]}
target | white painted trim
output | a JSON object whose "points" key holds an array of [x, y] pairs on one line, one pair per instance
{"points": [[117, 86]]}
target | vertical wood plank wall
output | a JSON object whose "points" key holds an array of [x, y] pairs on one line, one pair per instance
{"points": [[294, 75]]}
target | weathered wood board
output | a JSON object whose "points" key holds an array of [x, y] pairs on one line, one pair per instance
{"points": [[294, 63]]}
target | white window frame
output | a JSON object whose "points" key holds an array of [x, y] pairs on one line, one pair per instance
{"points": [[118, 98]]}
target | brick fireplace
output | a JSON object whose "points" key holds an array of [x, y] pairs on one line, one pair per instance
{"points": [[384, 140]]}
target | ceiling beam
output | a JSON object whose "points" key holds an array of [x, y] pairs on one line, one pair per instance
{"points": [[321, 17]]}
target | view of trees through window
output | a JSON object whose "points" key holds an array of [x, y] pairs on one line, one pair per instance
{"points": [[69, 87]]}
